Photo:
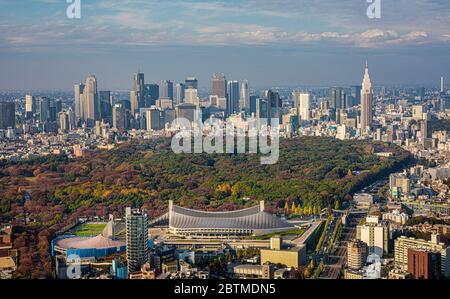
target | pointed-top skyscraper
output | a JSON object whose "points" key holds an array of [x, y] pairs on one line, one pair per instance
{"points": [[366, 103]]}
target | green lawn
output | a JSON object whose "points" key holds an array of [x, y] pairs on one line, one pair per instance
{"points": [[90, 229]]}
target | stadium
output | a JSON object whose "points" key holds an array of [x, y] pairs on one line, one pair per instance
{"points": [[253, 221], [91, 247], [87, 247]]}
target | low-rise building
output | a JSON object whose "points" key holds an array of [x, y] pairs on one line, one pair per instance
{"points": [[291, 257]]}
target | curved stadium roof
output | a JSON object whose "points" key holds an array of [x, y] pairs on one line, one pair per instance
{"points": [[254, 218], [97, 242]]}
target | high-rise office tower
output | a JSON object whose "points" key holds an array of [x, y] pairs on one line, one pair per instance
{"points": [[426, 130], [166, 89], [442, 84], [302, 102], [296, 99], [366, 103], [244, 100], [153, 119], [151, 94], [44, 110], [63, 121], [253, 104], [233, 97], [7, 115], [30, 106], [355, 91], [78, 90], [179, 93], [119, 117], [273, 100], [139, 88], [134, 102], [136, 238], [55, 108], [91, 104], [219, 85], [105, 105], [305, 106], [187, 111], [262, 112], [338, 98], [191, 82], [191, 96], [261, 108], [72, 121]]}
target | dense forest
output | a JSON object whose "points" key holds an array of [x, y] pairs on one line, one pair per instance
{"points": [[52, 192]]}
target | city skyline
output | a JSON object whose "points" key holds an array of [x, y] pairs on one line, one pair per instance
{"points": [[299, 42]]}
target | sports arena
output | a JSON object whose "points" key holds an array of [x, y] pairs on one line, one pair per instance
{"points": [[89, 247], [251, 221]]}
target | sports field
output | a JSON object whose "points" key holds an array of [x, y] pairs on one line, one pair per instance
{"points": [[90, 229]]}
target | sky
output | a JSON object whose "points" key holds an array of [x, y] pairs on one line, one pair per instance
{"points": [[268, 42]]}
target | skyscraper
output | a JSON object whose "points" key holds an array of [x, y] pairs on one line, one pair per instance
{"points": [[219, 85], [233, 97], [78, 92], [153, 119], [305, 106], [179, 93], [426, 130], [355, 91], [273, 100], [63, 121], [105, 105], [91, 103], [134, 102], [191, 96], [30, 106], [44, 110], [337, 98], [136, 238], [244, 100], [119, 117], [261, 108], [139, 88], [166, 89], [151, 94], [191, 82], [442, 84], [253, 104], [7, 115], [366, 103]]}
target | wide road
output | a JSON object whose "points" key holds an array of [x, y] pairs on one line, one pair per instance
{"points": [[337, 259]]}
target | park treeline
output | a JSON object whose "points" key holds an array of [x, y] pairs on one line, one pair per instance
{"points": [[44, 195]]}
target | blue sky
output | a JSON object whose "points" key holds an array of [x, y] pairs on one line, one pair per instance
{"points": [[268, 42]]}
